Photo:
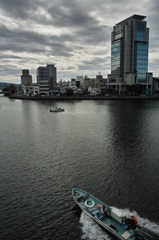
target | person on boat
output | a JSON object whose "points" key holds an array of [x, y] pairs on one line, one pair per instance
{"points": [[134, 221], [104, 211]]}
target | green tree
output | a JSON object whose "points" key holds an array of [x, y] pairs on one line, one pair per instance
{"points": [[11, 88]]}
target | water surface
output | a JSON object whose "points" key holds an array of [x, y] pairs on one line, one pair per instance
{"points": [[108, 148]]}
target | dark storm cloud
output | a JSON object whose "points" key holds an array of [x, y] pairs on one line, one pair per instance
{"points": [[26, 41], [70, 14], [75, 29], [9, 70], [58, 13], [19, 8], [85, 28], [19, 40], [95, 34], [4, 56]]}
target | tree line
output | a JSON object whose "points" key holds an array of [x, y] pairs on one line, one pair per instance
{"points": [[11, 88]]}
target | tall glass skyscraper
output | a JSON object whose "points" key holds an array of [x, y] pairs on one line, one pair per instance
{"points": [[129, 52]]}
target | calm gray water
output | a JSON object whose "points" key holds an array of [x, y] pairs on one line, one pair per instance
{"points": [[108, 148]]}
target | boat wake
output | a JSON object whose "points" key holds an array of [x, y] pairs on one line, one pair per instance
{"points": [[147, 225], [92, 231]]}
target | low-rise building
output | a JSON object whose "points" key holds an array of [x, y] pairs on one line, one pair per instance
{"points": [[69, 91], [64, 83], [129, 79], [156, 85], [79, 91], [73, 85], [57, 89], [96, 91], [29, 90], [81, 80], [94, 82], [35, 89]]}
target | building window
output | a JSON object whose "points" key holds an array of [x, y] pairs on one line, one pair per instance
{"points": [[115, 57], [141, 60]]}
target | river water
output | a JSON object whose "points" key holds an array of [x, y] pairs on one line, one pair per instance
{"points": [[107, 148]]}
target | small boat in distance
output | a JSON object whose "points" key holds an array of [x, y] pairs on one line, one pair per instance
{"points": [[112, 219], [57, 110]]}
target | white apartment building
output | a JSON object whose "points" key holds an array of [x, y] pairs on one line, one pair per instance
{"points": [[73, 85], [81, 80], [30, 90], [44, 76]]}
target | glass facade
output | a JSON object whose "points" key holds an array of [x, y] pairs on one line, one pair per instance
{"points": [[140, 30], [115, 58], [118, 35], [141, 60], [140, 35], [141, 50], [129, 49]]}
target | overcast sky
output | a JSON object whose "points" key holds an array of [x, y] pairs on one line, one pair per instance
{"points": [[74, 35]]}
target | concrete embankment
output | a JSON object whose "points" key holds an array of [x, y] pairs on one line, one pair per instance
{"points": [[61, 98]]}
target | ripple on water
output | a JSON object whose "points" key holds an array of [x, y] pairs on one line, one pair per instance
{"points": [[108, 148]]}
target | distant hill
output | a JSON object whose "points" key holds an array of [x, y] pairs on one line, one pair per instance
{"points": [[4, 85]]}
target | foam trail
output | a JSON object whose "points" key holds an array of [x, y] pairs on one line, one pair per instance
{"points": [[91, 230], [143, 222]]}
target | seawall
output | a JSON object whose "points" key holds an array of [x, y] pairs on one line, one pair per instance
{"points": [[67, 98]]}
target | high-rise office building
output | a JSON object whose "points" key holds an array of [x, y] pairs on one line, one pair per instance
{"points": [[129, 54], [44, 77]]}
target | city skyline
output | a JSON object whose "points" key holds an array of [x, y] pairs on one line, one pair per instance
{"points": [[76, 37]]}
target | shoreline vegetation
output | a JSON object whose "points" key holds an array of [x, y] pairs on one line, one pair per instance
{"points": [[67, 98]]}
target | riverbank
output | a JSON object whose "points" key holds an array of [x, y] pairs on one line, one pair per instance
{"points": [[67, 98]]}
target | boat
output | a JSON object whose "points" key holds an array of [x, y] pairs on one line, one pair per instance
{"points": [[57, 110], [109, 218]]}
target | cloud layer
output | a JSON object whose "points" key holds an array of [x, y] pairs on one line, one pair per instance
{"points": [[73, 34]]}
